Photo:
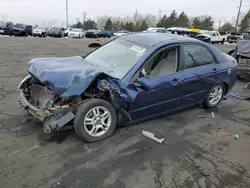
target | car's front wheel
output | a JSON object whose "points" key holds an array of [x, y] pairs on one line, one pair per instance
{"points": [[95, 120], [214, 96]]}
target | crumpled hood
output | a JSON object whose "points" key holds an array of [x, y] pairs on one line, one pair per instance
{"points": [[64, 76]]}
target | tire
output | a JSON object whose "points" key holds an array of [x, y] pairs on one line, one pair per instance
{"points": [[207, 103], [223, 40], [208, 41], [84, 110]]}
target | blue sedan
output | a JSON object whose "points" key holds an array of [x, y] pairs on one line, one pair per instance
{"points": [[128, 80]]}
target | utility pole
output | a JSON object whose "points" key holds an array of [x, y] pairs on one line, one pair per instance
{"points": [[135, 16], [219, 24], [159, 16], [238, 15], [67, 17], [84, 15]]}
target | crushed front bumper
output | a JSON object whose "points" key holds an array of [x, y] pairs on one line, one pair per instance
{"points": [[52, 118], [31, 109]]}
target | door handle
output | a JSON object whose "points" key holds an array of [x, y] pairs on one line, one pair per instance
{"points": [[175, 82], [214, 69]]}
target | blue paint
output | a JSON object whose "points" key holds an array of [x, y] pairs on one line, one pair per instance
{"points": [[72, 76]]}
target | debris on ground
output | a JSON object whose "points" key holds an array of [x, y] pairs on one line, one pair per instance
{"points": [[26, 120], [223, 133], [201, 116], [152, 137], [243, 94], [205, 172], [236, 137], [212, 113]]}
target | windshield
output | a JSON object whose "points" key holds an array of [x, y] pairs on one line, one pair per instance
{"points": [[208, 33], [117, 57], [151, 30], [42, 28], [2, 24], [75, 30], [55, 29], [20, 26]]}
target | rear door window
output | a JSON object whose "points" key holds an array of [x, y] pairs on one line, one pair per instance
{"points": [[196, 55]]}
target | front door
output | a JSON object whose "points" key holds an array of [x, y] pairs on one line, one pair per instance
{"points": [[164, 85]]}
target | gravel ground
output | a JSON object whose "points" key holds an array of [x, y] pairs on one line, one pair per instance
{"points": [[192, 156]]}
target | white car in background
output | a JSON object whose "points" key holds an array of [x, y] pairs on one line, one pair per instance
{"points": [[156, 29], [40, 32], [211, 37], [66, 32], [75, 33], [121, 33]]}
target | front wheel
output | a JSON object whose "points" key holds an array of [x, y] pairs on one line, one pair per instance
{"points": [[214, 96], [95, 120]]}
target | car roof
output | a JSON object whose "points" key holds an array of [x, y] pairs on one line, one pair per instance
{"points": [[151, 39]]}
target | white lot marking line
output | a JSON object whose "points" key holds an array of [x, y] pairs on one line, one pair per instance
{"points": [[19, 150]]}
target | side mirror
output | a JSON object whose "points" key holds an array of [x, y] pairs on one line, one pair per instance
{"points": [[94, 45], [143, 83]]}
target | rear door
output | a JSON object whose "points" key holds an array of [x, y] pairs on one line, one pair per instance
{"points": [[200, 72]]}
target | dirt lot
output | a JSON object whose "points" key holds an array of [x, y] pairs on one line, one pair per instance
{"points": [[194, 157]]}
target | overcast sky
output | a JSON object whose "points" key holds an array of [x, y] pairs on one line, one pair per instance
{"points": [[39, 11]]}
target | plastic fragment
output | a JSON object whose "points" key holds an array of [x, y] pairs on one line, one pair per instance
{"points": [[212, 113], [223, 133], [152, 137], [236, 137]]}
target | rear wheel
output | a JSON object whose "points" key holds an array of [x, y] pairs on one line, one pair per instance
{"points": [[95, 120], [208, 41], [214, 96], [223, 40]]}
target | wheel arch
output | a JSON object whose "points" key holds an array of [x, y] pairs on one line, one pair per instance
{"points": [[226, 87]]}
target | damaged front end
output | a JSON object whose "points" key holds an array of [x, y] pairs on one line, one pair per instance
{"points": [[45, 106], [56, 112]]}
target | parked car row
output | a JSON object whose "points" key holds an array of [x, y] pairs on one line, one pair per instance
{"points": [[18, 29], [204, 35]]}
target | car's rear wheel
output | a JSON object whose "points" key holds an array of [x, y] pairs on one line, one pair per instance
{"points": [[223, 40], [214, 96], [208, 41], [95, 120]]}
